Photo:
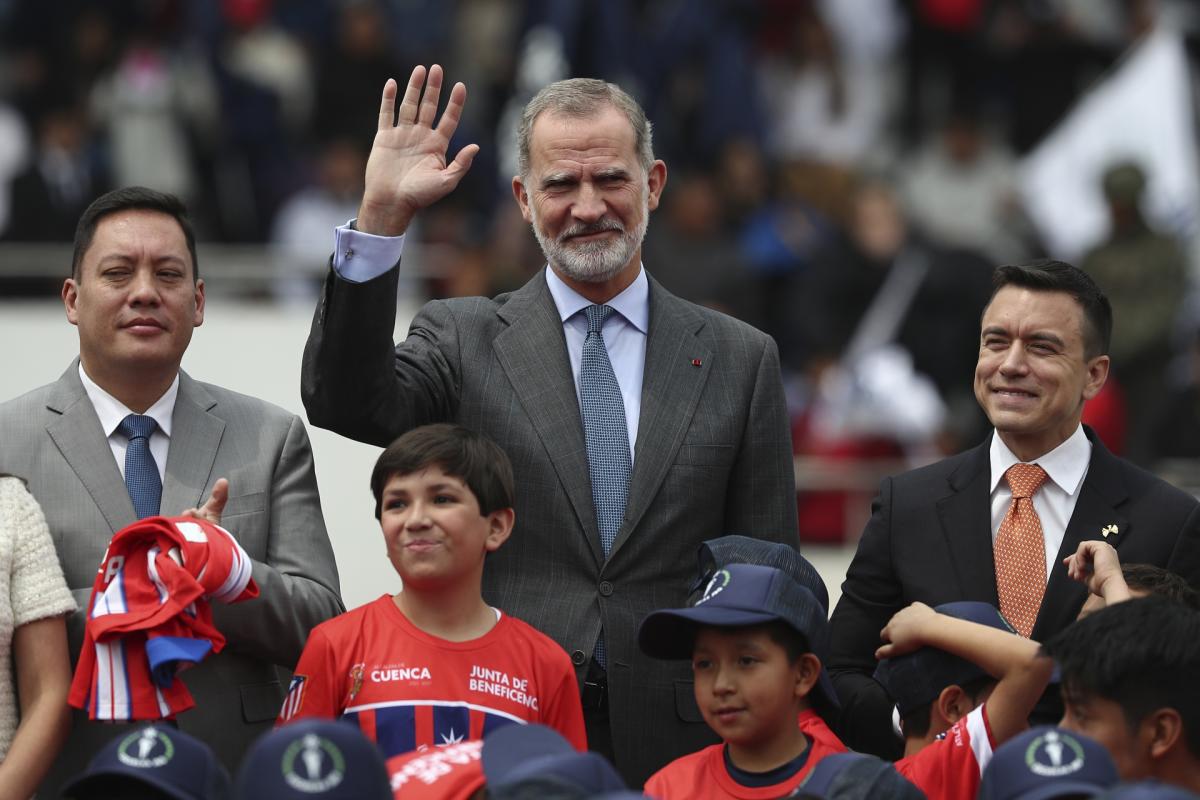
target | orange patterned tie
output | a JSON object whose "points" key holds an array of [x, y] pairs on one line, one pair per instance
{"points": [[1020, 551]]}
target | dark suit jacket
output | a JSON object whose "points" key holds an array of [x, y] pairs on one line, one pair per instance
{"points": [[52, 437], [713, 456], [929, 540]]}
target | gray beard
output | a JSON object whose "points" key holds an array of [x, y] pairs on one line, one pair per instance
{"points": [[592, 262]]}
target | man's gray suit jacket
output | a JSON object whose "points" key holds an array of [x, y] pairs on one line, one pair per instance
{"points": [[52, 437], [713, 456]]}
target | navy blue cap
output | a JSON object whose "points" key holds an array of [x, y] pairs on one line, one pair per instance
{"points": [[857, 776], [735, 549], [738, 595], [315, 759], [1046, 762], [513, 754], [917, 678], [160, 756], [1147, 790]]}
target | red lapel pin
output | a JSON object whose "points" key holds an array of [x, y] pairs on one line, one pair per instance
{"points": [[696, 362]]}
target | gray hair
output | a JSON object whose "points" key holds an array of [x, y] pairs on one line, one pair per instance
{"points": [[582, 98]]}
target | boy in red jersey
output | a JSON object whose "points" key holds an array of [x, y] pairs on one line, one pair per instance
{"points": [[434, 664], [964, 683], [752, 638]]}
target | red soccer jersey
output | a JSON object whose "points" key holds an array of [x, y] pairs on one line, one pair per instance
{"points": [[703, 775], [453, 772], [812, 724], [951, 767], [408, 690]]}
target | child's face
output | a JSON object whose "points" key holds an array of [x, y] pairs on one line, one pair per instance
{"points": [[746, 688], [1104, 721], [434, 531]]}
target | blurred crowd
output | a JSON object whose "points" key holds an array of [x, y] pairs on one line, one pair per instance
{"points": [[842, 172]]}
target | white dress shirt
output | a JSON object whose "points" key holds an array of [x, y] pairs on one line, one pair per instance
{"points": [[111, 411], [1066, 466], [359, 257]]}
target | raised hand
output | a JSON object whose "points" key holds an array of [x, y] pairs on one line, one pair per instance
{"points": [[1096, 565], [904, 632], [407, 169]]}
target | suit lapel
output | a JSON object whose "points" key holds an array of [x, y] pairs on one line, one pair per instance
{"points": [[1102, 492], [671, 389], [532, 351], [77, 434], [966, 523], [195, 437]]}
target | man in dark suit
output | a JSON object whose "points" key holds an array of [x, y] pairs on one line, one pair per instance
{"points": [[955, 531], [135, 297], [631, 444]]}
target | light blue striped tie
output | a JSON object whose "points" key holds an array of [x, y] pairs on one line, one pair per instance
{"points": [[607, 437], [141, 473]]}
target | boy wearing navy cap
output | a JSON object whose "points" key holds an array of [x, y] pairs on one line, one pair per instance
{"points": [[817, 722], [964, 682], [753, 638]]}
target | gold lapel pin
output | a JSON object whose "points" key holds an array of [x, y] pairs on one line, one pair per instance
{"points": [[1107, 529]]}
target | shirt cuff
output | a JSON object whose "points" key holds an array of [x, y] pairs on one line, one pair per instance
{"points": [[359, 257]]}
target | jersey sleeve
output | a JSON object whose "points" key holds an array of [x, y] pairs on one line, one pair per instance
{"points": [[687, 777], [564, 710], [317, 688], [951, 767], [658, 785]]}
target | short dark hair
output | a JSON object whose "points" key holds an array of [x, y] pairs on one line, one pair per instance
{"points": [[1155, 580], [1047, 275], [460, 452], [915, 723], [1143, 655], [793, 642], [131, 198]]}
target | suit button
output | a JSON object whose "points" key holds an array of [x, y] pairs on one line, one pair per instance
{"points": [[577, 658], [606, 588]]}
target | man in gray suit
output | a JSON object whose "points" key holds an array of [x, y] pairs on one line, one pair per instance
{"points": [[632, 442], [135, 296]]}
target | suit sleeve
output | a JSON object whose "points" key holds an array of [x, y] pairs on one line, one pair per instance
{"points": [[298, 581], [356, 382], [871, 594], [761, 499], [1185, 558]]}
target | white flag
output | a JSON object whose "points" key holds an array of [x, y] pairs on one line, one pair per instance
{"points": [[1142, 111]]}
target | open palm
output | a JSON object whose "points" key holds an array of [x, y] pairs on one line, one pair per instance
{"points": [[407, 170]]}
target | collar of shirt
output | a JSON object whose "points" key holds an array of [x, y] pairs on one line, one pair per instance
{"points": [[633, 303], [1065, 465], [111, 411]]}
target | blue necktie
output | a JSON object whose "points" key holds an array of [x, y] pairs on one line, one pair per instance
{"points": [[141, 473], [606, 434]]}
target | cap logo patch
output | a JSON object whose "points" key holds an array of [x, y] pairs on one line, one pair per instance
{"points": [[1053, 755], [716, 585], [313, 764], [146, 749]]}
